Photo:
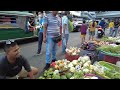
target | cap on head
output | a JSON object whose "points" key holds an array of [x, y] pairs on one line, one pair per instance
{"points": [[8, 44]]}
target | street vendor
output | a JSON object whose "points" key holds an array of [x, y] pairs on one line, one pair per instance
{"points": [[13, 65]]}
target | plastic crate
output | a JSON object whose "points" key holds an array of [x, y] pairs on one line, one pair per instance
{"points": [[101, 56], [71, 57], [111, 59]]}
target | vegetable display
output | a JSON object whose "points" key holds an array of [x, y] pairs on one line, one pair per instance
{"points": [[107, 70], [64, 69], [110, 39], [112, 48]]}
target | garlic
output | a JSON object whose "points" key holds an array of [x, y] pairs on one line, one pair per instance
{"points": [[94, 77]]}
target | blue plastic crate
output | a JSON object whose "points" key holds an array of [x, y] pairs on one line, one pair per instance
{"points": [[101, 55]]}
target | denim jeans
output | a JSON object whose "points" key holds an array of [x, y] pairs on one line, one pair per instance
{"points": [[40, 40], [51, 48], [63, 43], [114, 32], [111, 31]]}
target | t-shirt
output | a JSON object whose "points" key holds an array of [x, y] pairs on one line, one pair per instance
{"points": [[53, 28], [10, 70], [91, 26], [65, 21], [116, 23], [102, 23], [111, 24], [41, 24], [83, 28], [32, 22]]}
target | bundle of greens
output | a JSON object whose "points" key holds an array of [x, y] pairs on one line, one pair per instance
{"points": [[110, 49]]}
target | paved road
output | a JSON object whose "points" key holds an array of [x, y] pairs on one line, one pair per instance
{"points": [[29, 50]]}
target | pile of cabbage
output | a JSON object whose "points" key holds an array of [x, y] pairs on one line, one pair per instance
{"points": [[73, 51], [77, 69]]}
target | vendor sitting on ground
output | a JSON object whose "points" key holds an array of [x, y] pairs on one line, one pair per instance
{"points": [[13, 65]]}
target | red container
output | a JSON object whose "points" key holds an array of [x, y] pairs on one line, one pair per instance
{"points": [[71, 57], [111, 59]]}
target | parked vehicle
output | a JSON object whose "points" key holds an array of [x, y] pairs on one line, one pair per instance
{"points": [[77, 25]]}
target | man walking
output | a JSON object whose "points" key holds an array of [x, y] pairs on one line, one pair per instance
{"points": [[51, 31]]}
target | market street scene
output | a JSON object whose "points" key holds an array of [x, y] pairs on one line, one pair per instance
{"points": [[59, 44]]}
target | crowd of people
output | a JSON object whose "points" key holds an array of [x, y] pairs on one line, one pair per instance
{"points": [[113, 26], [53, 28]]}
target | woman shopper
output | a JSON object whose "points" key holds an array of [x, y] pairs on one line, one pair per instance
{"points": [[92, 28]]}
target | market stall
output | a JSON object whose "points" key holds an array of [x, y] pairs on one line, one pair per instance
{"points": [[110, 51], [86, 62], [81, 69]]}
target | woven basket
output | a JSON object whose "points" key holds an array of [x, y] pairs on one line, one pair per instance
{"points": [[71, 57]]}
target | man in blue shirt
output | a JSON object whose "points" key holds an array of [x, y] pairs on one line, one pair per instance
{"points": [[103, 24], [40, 34]]}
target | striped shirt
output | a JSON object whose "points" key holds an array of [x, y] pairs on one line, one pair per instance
{"points": [[53, 22]]}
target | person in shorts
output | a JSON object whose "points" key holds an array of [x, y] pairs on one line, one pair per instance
{"points": [[92, 28], [83, 30]]}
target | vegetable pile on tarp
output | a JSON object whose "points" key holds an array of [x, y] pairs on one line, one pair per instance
{"points": [[107, 70], [111, 49], [77, 69], [111, 39]]}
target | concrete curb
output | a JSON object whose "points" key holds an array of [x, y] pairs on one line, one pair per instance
{"points": [[21, 40]]}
